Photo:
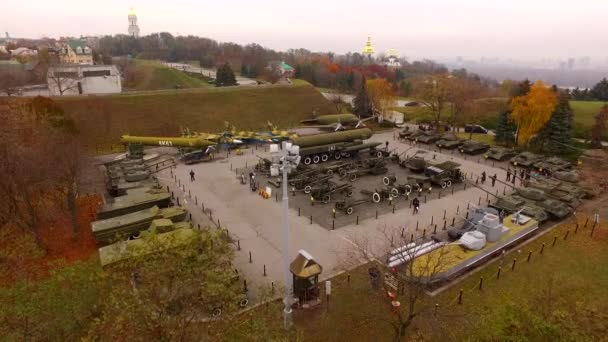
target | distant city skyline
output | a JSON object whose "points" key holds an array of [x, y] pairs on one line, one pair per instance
{"points": [[439, 29]]}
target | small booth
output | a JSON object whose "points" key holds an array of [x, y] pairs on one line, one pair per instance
{"points": [[305, 272]]}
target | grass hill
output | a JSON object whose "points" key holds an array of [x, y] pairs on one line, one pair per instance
{"points": [[103, 119], [151, 75]]}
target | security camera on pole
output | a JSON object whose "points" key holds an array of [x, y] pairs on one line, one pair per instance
{"points": [[284, 161]]}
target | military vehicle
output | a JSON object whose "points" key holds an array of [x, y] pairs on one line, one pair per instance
{"points": [[449, 141], [444, 174], [413, 183], [416, 163], [525, 159], [320, 147], [470, 224], [131, 224], [553, 188], [344, 119], [135, 200], [378, 196], [539, 198], [429, 138], [474, 147], [567, 176], [406, 132], [415, 135], [500, 153], [552, 165], [512, 203]]}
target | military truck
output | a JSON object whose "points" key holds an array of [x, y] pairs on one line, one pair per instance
{"points": [[320, 147], [500, 153], [525, 159], [444, 174], [474, 147]]}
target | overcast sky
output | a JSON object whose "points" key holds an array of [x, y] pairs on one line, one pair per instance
{"points": [[524, 29]]}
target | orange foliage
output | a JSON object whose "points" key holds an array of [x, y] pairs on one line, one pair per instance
{"points": [[531, 112], [64, 242]]}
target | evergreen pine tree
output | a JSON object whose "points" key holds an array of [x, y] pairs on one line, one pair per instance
{"points": [[298, 72], [505, 130], [363, 105], [558, 131], [600, 90], [225, 76]]}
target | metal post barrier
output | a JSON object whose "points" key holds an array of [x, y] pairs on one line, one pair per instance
{"points": [[460, 296], [480, 283], [357, 219], [250, 260], [576, 229], [529, 256], [424, 233], [542, 248], [444, 212], [238, 245], [411, 238], [376, 214], [298, 211], [333, 224], [453, 221], [310, 219], [554, 241], [445, 223], [498, 274], [264, 270], [513, 265], [566, 236], [417, 225], [432, 217]]}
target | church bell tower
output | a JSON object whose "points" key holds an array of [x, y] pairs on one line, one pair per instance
{"points": [[133, 28]]}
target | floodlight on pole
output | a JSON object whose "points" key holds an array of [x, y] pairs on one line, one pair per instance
{"points": [[285, 160]]}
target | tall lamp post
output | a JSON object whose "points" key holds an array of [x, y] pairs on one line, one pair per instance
{"points": [[284, 161]]}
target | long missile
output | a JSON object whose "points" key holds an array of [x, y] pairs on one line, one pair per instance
{"points": [[332, 138], [345, 119], [194, 142]]}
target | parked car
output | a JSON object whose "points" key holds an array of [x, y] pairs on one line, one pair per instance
{"points": [[475, 129]]}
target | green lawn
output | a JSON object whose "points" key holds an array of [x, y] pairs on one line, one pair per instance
{"points": [[487, 138], [151, 75], [103, 119], [559, 295]]}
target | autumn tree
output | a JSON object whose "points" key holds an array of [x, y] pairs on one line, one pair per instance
{"points": [[363, 106], [461, 95], [600, 127], [532, 111], [381, 94], [433, 92]]}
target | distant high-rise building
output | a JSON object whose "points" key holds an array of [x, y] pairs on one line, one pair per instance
{"points": [[571, 63], [368, 50], [133, 28]]}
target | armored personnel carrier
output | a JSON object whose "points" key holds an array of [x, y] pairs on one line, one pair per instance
{"points": [[500, 153], [474, 147]]}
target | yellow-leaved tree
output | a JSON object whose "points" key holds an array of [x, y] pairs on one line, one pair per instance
{"points": [[381, 94], [532, 111]]}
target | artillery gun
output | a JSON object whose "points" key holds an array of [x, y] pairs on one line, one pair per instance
{"points": [[307, 183], [413, 183], [348, 205], [525, 159], [473, 147], [370, 167], [449, 141], [500, 153], [324, 191]]}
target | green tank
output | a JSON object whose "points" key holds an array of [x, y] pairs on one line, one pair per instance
{"points": [[525, 159], [415, 164], [500, 153], [474, 147], [539, 198], [449, 141], [429, 138], [565, 192], [512, 203], [134, 200], [552, 165], [332, 138], [567, 176], [131, 224]]}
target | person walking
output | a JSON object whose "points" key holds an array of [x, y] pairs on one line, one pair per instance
{"points": [[522, 173], [494, 179], [483, 177], [508, 174], [416, 204], [513, 179], [192, 175]]}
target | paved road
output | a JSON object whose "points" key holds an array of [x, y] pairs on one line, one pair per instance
{"points": [[257, 222], [350, 98], [242, 81]]}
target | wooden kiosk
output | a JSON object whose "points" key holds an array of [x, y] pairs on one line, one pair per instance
{"points": [[305, 272]]}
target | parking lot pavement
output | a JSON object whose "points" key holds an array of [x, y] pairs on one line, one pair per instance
{"points": [[256, 222]]}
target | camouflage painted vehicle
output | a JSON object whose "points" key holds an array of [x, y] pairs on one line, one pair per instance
{"points": [[552, 165], [405, 133], [416, 164], [474, 147], [131, 224], [429, 138], [500, 153], [444, 174], [539, 198], [135, 200], [525, 159], [449, 141], [567, 176], [415, 135]]}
